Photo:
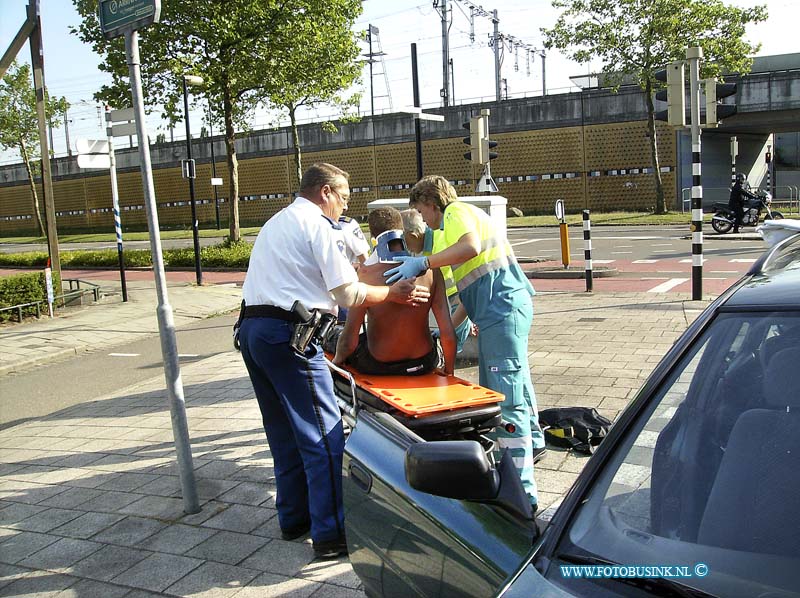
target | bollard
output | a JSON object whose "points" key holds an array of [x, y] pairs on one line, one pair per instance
{"points": [[587, 250]]}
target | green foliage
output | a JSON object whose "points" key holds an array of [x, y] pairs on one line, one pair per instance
{"points": [[636, 38], [19, 289], [226, 255]]}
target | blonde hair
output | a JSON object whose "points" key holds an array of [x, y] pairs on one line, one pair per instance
{"points": [[433, 190]]}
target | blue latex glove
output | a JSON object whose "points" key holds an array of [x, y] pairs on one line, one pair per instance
{"points": [[410, 267]]}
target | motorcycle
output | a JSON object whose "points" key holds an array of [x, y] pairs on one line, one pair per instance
{"points": [[723, 219]]}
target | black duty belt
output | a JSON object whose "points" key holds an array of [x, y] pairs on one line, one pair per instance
{"points": [[269, 311]]}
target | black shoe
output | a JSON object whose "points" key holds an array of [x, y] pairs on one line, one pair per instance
{"points": [[736, 231], [330, 549], [539, 453], [293, 533]]}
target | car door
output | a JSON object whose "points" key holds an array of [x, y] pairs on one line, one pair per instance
{"points": [[407, 543]]}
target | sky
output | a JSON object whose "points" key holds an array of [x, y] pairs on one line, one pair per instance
{"points": [[71, 68]]}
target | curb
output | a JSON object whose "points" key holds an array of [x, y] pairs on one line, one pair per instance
{"points": [[561, 273]]}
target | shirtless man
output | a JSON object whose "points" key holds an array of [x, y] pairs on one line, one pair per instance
{"points": [[398, 340]]}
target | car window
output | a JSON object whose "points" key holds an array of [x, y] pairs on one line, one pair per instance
{"points": [[710, 474]]}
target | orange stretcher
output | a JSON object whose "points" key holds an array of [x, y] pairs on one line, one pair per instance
{"points": [[434, 405]]}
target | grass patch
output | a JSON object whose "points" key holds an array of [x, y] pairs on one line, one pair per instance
{"points": [[129, 236], [605, 219]]}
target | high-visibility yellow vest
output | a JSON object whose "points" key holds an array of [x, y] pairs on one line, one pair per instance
{"points": [[461, 218], [447, 271]]}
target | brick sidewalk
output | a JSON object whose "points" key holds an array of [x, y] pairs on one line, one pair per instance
{"points": [[89, 496]]}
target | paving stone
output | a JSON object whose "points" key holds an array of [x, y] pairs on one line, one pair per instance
{"points": [[337, 571], [127, 482], [71, 498], [87, 525], [47, 520], [213, 580], [16, 512], [157, 572], [332, 591], [40, 584], [177, 538], [11, 573], [207, 511], [111, 501], [269, 585], [86, 588], [227, 547], [108, 562], [129, 531], [157, 507], [241, 518], [279, 556], [17, 546], [249, 493], [61, 554]]}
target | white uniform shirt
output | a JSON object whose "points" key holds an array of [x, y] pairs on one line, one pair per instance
{"points": [[354, 240], [298, 254]]}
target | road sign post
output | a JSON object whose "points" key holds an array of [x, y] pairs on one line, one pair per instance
{"points": [[115, 198], [128, 24]]}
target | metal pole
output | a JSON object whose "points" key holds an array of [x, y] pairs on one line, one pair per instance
{"points": [[734, 151], [693, 55], [66, 130], [198, 272], [115, 202], [166, 325], [213, 165], [452, 83], [445, 57], [544, 74], [371, 82], [496, 45], [587, 250], [37, 61], [417, 125]]}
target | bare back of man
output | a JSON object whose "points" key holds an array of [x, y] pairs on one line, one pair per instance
{"points": [[398, 337]]}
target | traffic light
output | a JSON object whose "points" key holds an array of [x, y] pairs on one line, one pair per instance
{"points": [[488, 146], [673, 95], [477, 134], [716, 112]]}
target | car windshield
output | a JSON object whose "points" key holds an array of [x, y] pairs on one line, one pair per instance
{"points": [[709, 476]]}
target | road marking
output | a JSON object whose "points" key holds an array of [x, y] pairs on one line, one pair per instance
{"points": [[670, 271], [654, 278], [663, 251], [188, 355], [123, 354], [624, 246], [725, 272], [603, 261], [689, 261], [662, 244], [621, 252], [743, 261], [528, 241], [666, 286], [644, 261]]}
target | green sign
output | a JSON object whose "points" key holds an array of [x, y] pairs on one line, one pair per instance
{"points": [[119, 16]]}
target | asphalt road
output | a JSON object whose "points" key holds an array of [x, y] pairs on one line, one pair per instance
{"points": [[92, 375]]}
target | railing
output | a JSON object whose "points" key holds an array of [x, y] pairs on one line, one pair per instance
{"points": [[77, 292], [722, 194]]}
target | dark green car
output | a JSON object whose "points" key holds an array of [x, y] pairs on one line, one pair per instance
{"points": [[695, 492]]}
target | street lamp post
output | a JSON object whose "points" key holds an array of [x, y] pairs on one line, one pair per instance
{"points": [[190, 174]]}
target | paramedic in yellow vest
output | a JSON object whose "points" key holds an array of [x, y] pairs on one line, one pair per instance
{"points": [[498, 299], [421, 239]]}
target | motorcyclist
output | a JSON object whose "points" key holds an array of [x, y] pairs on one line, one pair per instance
{"points": [[736, 201]]}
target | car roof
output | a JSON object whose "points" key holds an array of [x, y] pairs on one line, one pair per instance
{"points": [[774, 280]]}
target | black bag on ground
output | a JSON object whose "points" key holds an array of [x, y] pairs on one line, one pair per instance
{"points": [[578, 428]]}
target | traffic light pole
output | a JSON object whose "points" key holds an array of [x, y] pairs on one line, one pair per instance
{"points": [[417, 124], [693, 56]]}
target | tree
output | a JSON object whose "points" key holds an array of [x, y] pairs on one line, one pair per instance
{"points": [[312, 69], [232, 44], [19, 129], [638, 37]]}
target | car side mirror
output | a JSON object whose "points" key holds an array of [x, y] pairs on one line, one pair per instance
{"points": [[453, 469]]}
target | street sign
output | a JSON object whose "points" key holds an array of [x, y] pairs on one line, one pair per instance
{"points": [[119, 16], [216, 182], [91, 146], [123, 130], [123, 115], [560, 209], [94, 161]]}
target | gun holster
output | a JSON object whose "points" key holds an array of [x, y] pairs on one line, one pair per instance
{"points": [[312, 327], [236, 327]]}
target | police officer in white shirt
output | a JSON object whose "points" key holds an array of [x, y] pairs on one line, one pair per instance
{"points": [[356, 246], [300, 255]]}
